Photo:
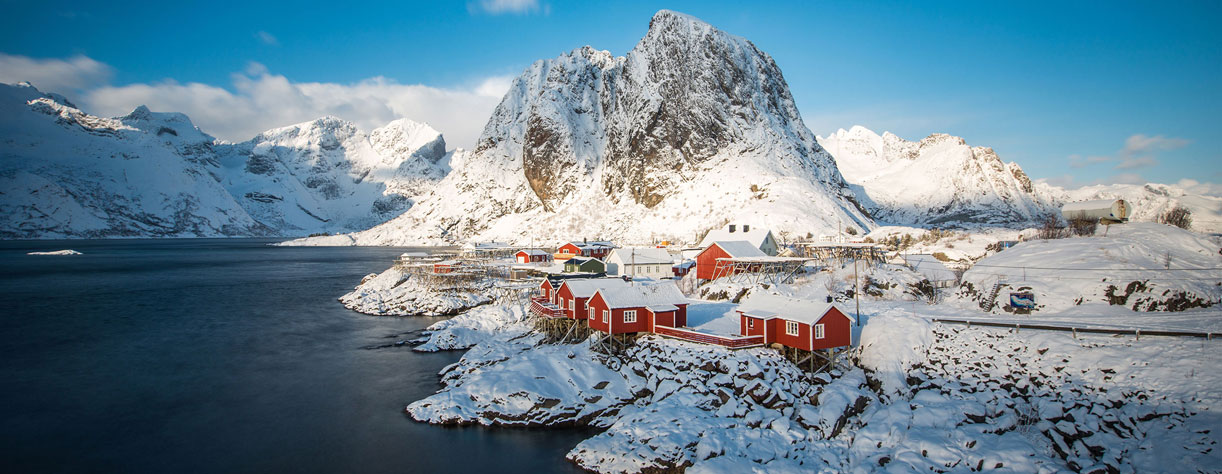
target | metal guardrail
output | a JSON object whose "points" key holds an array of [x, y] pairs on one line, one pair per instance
{"points": [[1137, 332]]}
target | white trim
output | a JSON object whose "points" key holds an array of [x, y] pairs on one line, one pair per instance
{"points": [[606, 315], [627, 313], [819, 334], [792, 325]]}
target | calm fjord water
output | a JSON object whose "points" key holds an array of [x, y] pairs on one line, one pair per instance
{"points": [[222, 355]]}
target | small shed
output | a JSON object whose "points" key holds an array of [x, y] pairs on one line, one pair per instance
{"points": [[797, 323], [706, 260], [532, 256], [584, 265], [637, 308], [680, 270]]}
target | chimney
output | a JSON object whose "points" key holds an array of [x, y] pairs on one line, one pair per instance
{"points": [[732, 226], [746, 228]]}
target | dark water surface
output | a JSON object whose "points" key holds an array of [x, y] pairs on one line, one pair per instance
{"points": [[216, 355]]}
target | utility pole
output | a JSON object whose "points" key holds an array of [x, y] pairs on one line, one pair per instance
{"points": [[856, 291]]}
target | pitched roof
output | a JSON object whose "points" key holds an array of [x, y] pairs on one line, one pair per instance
{"points": [[532, 252], [791, 309], [594, 244], [740, 248], [642, 256], [586, 288], [581, 260], [659, 295], [756, 236]]}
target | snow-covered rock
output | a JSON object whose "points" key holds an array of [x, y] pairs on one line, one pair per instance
{"points": [[693, 127], [68, 174], [56, 252], [397, 292]]}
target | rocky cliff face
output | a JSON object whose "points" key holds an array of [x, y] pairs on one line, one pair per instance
{"points": [[68, 174], [692, 128], [940, 180]]}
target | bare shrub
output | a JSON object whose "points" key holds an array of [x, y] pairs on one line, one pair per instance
{"points": [[1052, 228], [1083, 227], [1178, 216]]}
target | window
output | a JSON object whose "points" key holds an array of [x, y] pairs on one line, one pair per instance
{"points": [[818, 331], [606, 315], [630, 316], [750, 323], [591, 312], [791, 328], [572, 304]]}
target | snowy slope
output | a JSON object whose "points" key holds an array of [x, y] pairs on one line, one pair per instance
{"points": [[1128, 267], [70, 174], [1151, 200], [940, 180], [691, 128]]}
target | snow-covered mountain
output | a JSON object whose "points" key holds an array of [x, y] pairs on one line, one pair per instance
{"points": [[940, 180], [692, 128], [68, 174]]}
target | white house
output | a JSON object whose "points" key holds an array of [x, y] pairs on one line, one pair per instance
{"points": [[760, 238], [640, 262]]}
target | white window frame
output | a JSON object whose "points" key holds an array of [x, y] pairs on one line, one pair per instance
{"points": [[750, 323], [606, 315], [792, 328], [819, 331], [573, 304], [590, 309], [629, 316]]}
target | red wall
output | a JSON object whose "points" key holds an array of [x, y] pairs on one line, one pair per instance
{"points": [[706, 261], [777, 334], [579, 311], [569, 248], [617, 323], [837, 330], [546, 289]]}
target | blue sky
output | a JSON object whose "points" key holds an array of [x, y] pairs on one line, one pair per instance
{"points": [[1074, 92]]}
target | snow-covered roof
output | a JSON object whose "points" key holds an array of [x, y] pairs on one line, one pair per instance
{"points": [[533, 252], [930, 267], [756, 236], [597, 244], [585, 288], [642, 256], [581, 260], [740, 248], [639, 295], [791, 309], [447, 262]]}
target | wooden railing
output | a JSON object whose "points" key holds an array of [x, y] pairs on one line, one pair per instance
{"points": [[704, 338], [544, 308]]}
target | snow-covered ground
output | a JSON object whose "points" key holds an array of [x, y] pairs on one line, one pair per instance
{"points": [[923, 396], [1140, 265], [56, 252], [395, 292]]}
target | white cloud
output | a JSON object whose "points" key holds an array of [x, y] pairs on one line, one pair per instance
{"points": [[1136, 162], [261, 100], [267, 38], [1140, 144], [1078, 161], [63, 76], [498, 7]]}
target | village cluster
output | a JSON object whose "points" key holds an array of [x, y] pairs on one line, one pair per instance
{"points": [[596, 288]]}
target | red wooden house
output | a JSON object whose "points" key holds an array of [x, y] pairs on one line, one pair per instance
{"points": [[573, 295], [637, 308], [547, 290], [598, 249], [798, 323], [532, 256], [706, 260]]}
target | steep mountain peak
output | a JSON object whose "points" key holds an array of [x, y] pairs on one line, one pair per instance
{"points": [[403, 138], [170, 126]]}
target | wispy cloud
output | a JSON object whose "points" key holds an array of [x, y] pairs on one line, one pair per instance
{"points": [[267, 38], [261, 100], [1140, 144], [1078, 161], [54, 75], [500, 7]]}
